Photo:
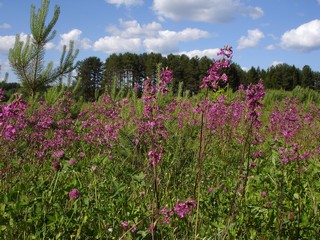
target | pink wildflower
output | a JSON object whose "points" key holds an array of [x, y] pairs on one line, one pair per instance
{"points": [[56, 165], [58, 154], [74, 194], [182, 209], [72, 161], [124, 225]]}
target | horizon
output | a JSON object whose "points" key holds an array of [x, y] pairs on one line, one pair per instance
{"points": [[261, 34]]}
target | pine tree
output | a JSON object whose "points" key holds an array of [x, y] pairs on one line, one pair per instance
{"points": [[27, 58], [90, 75]]}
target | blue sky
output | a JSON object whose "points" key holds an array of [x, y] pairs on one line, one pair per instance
{"points": [[261, 32]]}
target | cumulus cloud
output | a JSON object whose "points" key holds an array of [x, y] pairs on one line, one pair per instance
{"points": [[134, 37], [49, 46], [304, 38], [215, 11], [168, 41], [126, 3], [117, 44], [74, 35], [7, 42], [210, 53], [270, 47], [129, 29], [5, 26], [251, 40], [253, 12]]}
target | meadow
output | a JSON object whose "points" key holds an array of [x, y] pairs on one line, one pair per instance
{"points": [[217, 165]]}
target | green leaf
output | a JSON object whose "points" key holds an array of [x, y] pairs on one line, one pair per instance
{"points": [[3, 228]]}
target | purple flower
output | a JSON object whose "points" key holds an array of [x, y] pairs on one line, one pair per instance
{"points": [[58, 154], [165, 79], [72, 161], [74, 194], [263, 194], [215, 74], [182, 209], [124, 225], [252, 164], [56, 165]]}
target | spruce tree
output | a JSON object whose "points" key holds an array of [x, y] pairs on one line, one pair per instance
{"points": [[27, 58]]}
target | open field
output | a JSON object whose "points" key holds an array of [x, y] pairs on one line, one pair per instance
{"points": [[218, 165]]}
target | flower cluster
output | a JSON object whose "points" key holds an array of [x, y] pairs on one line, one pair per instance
{"points": [[215, 74], [74, 194], [151, 129], [181, 209], [12, 119], [165, 79], [285, 121], [254, 94]]}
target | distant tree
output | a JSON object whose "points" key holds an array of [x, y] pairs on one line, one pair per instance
{"points": [[27, 58], [235, 76], [307, 77], [252, 76], [193, 80], [317, 80], [90, 76], [132, 69], [112, 71]]}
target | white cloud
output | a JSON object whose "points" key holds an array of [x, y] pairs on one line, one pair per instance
{"points": [[216, 11], [7, 42], [131, 29], [117, 44], [191, 34], [161, 45], [253, 12], [127, 3], [5, 26], [133, 37], [168, 41], [74, 35], [49, 46], [210, 53], [270, 47], [305, 38], [251, 40]]}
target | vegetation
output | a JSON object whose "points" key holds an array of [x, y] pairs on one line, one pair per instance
{"points": [[219, 164], [27, 58], [197, 150]]}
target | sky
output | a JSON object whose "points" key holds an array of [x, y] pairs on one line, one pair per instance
{"points": [[262, 33]]}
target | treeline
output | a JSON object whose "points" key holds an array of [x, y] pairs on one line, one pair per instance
{"points": [[128, 70]]}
